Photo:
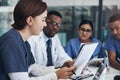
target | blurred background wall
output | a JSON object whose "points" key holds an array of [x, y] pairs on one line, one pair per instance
{"points": [[73, 11]]}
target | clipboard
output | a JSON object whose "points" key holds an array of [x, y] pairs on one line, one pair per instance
{"points": [[84, 56]]}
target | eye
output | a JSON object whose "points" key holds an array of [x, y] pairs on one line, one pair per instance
{"points": [[111, 29], [117, 28], [53, 23], [44, 20], [60, 25], [88, 30], [82, 29]]}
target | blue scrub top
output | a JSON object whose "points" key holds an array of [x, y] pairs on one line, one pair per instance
{"points": [[73, 47], [113, 44], [15, 54]]}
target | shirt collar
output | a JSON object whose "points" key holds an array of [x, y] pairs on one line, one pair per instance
{"points": [[45, 37]]}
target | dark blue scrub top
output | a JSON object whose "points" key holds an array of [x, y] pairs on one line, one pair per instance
{"points": [[15, 54]]}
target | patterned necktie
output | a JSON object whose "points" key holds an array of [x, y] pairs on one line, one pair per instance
{"points": [[49, 54]]}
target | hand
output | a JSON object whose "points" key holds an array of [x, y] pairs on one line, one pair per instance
{"points": [[65, 72], [68, 64]]}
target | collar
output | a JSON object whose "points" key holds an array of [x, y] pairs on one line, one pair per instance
{"points": [[45, 37]]}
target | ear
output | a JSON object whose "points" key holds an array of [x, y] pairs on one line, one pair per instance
{"points": [[29, 20]]}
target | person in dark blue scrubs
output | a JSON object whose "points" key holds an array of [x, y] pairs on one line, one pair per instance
{"points": [[16, 59], [15, 55]]}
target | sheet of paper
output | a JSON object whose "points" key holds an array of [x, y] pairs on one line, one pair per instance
{"points": [[84, 56]]}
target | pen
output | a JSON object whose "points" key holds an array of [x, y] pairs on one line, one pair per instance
{"points": [[72, 71], [88, 69]]}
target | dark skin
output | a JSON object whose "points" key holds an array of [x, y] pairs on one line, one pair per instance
{"points": [[52, 28], [50, 31]]}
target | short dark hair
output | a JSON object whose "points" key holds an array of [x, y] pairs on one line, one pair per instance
{"points": [[26, 8], [54, 13], [86, 22], [114, 17]]}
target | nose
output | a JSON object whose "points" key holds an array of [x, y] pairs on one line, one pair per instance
{"points": [[56, 27], [45, 24], [114, 31], [84, 32]]}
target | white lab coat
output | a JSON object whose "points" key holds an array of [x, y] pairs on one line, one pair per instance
{"points": [[38, 48], [39, 73]]}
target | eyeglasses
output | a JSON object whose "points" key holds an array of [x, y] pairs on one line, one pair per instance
{"points": [[53, 23], [85, 30]]}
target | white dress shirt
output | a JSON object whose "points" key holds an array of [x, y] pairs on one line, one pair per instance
{"points": [[38, 48]]}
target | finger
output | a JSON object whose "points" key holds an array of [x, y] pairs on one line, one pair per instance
{"points": [[69, 74], [73, 68]]}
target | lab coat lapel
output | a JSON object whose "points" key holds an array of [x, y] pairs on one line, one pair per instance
{"points": [[43, 48]]}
